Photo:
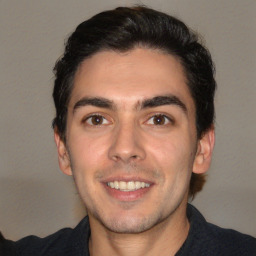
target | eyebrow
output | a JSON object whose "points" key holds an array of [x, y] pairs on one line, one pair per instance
{"points": [[147, 103], [163, 100], [96, 101]]}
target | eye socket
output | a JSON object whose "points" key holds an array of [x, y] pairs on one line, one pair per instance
{"points": [[96, 120], [159, 119]]}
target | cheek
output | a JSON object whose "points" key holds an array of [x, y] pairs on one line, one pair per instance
{"points": [[174, 156], [87, 154], [172, 150]]}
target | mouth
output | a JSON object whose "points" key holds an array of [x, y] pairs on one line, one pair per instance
{"points": [[127, 186], [127, 189]]}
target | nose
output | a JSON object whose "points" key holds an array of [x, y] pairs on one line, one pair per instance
{"points": [[127, 145]]}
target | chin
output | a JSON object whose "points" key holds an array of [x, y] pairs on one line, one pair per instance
{"points": [[130, 224]]}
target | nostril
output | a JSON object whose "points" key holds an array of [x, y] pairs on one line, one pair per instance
{"points": [[125, 147]]}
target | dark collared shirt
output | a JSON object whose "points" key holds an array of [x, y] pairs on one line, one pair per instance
{"points": [[204, 239]]}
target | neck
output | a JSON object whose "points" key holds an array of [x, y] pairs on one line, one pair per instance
{"points": [[165, 238]]}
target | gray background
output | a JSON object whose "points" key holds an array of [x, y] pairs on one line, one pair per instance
{"points": [[35, 197]]}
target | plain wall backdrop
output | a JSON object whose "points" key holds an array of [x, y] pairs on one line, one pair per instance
{"points": [[35, 197]]}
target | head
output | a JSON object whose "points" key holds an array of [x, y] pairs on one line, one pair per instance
{"points": [[124, 29]]}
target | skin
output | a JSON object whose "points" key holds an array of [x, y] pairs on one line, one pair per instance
{"points": [[118, 130]]}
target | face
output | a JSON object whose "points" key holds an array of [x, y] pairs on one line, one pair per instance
{"points": [[131, 141]]}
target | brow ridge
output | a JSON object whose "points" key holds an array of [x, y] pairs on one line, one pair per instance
{"points": [[163, 100], [94, 101], [147, 103]]}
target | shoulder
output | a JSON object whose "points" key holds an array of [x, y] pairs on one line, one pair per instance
{"points": [[210, 239], [33, 245], [231, 241], [6, 246], [66, 241]]}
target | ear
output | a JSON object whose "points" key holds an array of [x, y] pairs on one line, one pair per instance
{"points": [[63, 157], [204, 152]]}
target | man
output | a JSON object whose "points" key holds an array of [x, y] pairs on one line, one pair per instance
{"points": [[134, 125]]}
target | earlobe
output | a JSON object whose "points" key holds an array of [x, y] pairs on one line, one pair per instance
{"points": [[63, 157], [204, 152]]}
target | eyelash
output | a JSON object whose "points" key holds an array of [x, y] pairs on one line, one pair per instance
{"points": [[166, 119], [86, 120], [104, 121]]}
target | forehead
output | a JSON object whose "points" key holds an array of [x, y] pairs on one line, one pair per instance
{"points": [[130, 77]]}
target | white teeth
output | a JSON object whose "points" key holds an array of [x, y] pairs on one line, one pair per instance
{"points": [[122, 185], [137, 184], [128, 186], [116, 185], [111, 184]]}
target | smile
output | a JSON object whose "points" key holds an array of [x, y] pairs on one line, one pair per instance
{"points": [[128, 186]]}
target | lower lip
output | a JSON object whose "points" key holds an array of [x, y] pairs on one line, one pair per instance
{"points": [[127, 195]]}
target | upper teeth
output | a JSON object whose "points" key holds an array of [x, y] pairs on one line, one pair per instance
{"points": [[128, 186]]}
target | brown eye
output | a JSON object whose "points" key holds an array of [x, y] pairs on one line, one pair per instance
{"points": [[159, 120], [96, 120]]}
